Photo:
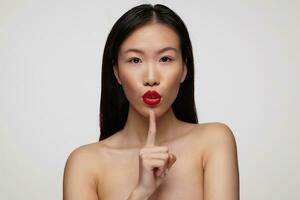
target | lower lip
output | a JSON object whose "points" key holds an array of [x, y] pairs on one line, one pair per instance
{"points": [[151, 101]]}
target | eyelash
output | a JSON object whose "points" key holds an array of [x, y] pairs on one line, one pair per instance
{"points": [[130, 60]]}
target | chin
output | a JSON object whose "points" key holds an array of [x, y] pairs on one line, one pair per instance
{"points": [[159, 110]]}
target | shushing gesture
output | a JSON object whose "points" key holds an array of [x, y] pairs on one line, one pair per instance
{"points": [[154, 161]]}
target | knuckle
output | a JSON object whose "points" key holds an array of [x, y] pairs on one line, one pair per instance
{"points": [[144, 156], [141, 153], [165, 149], [144, 150], [166, 156]]}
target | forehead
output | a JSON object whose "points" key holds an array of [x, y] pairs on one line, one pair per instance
{"points": [[151, 37]]}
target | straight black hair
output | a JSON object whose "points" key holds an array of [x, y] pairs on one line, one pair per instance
{"points": [[114, 105]]}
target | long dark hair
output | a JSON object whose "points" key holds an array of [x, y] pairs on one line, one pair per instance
{"points": [[114, 105]]}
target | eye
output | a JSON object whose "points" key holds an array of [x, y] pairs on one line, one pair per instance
{"points": [[165, 59], [134, 60]]}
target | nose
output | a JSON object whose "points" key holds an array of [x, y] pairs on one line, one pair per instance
{"points": [[151, 77]]}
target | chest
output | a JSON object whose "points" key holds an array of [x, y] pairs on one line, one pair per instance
{"points": [[184, 181]]}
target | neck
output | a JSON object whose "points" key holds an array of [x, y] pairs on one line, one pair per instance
{"points": [[136, 128]]}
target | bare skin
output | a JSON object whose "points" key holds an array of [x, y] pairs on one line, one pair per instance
{"points": [[205, 167], [183, 181], [107, 170]]}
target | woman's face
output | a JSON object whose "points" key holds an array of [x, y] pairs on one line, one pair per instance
{"points": [[150, 59]]}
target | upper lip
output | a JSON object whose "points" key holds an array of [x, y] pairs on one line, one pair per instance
{"points": [[151, 94]]}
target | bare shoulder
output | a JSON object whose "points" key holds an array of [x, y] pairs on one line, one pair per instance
{"points": [[212, 131], [220, 162], [81, 172], [85, 156], [216, 131], [214, 135]]}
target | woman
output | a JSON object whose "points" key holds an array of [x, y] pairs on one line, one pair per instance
{"points": [[151, 145]]}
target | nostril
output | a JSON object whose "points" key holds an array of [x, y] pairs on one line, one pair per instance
{"points": [[151, 84]]}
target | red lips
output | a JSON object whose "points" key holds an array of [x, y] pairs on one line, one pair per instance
{"points": [[151, 97]]}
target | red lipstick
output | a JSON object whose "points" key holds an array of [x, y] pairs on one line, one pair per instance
{"points": [[151, 97]]}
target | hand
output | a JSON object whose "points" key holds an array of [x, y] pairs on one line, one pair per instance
{"points": [[154, 161]]}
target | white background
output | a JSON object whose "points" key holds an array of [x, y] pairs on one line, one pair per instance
{"points": [[246, 75]]}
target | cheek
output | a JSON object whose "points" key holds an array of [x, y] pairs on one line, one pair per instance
{"points": [[171, 85], [130, 84], [172, 77]]}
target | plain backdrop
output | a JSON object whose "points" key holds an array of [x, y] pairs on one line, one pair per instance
{"points": [[246, 76]]}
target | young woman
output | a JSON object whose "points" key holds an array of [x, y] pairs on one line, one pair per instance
{"points": [[151, 145]]}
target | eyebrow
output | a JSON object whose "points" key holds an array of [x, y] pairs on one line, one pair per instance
{"points": [[160, 51]]}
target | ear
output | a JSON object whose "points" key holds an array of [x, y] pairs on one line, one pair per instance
{"points": [[184, 72], [116, 72]]}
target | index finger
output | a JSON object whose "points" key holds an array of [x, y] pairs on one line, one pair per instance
{"points": [[152, 129]]}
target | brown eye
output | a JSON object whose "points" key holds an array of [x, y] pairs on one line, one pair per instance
{"points": [[134, 60], [165, 59]]}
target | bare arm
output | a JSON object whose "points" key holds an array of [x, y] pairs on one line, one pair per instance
{"points": [[221, 173], [79, 182]]}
